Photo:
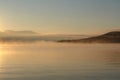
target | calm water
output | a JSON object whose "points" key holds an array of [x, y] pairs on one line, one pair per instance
{"points": [[55, 61]]}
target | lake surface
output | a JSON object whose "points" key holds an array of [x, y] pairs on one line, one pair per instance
{"points": [[56, 61]]}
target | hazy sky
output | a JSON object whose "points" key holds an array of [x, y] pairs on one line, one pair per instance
{"points": [[60, 16]]}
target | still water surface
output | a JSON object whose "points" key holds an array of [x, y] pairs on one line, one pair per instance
{"points": [[55, 61]]}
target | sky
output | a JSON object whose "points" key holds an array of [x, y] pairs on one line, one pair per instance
{"points": [[60, 16]]}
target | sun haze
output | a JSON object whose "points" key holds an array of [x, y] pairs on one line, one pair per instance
{"points": [[60, 16]]}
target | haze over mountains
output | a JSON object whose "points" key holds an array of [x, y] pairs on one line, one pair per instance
{"points": [[17, 33], [15, 36], [110, 37], [31, 36]]}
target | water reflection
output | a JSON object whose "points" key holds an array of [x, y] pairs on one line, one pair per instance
{"points": [[60, 62], [113, 58]]}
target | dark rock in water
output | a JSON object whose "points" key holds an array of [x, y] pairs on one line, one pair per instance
{"points": [[111, 37]]}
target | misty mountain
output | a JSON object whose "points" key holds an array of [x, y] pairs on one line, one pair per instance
{"points": [[110, 37], [31, 36], [18, 33]]}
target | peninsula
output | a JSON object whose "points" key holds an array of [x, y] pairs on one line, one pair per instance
{"points": [[110, 37]]}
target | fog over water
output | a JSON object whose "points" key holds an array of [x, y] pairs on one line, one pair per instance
{"points": [[59, 61], [31, 36], [59, 39]]}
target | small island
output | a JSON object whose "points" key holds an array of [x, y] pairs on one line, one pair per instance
{"points": [[110, 37]]}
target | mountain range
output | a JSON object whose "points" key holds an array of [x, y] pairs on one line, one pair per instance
{"points": [[17, 33], [31, 36], [110, 37]]}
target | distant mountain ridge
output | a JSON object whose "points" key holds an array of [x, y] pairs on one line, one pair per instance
{"points": [[9, 33], [113, 34], [31, 36], [20, 32], [110, 37]]}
